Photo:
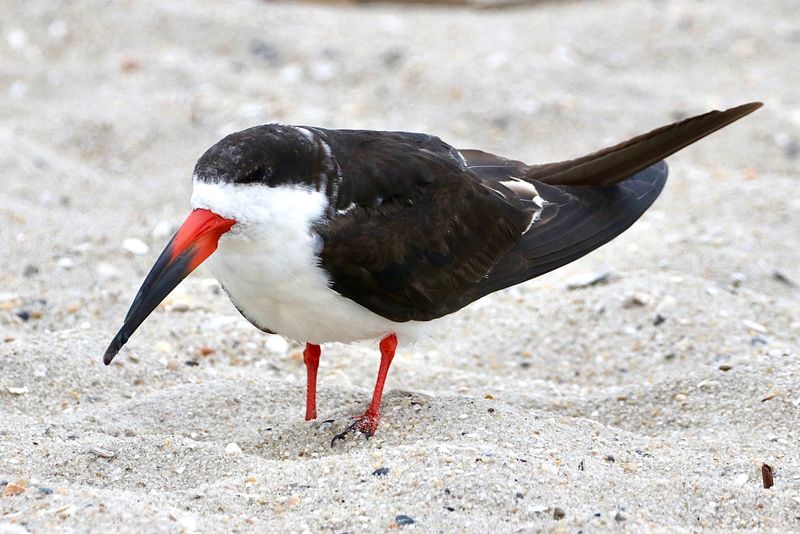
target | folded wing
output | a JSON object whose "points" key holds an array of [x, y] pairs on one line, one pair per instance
{"points": [[442, 228]]}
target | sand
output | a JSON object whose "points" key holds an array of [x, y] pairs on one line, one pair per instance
{"points": [[648, 401]]}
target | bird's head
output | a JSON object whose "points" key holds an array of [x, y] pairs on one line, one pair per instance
{"points": [[239, 183]]}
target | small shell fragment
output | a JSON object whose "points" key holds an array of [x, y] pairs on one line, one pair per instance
{"points": [[588, 279], [103, 453], [752, 325]]}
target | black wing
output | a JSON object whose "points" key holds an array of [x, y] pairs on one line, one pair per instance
{"points": [[415, 230]]}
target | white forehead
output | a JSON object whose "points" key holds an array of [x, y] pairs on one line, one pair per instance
{"points": [[257, 203]]}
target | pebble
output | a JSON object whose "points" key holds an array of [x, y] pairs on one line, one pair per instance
{"points": [[45, 491], [782, 278], [30, 270], [57, 30], [65, 511], [13, 489], [392, 57], [103, 453], [18, 90], [82, 248], [17, 38], [588, 279], [8, 297], [66, 263], [162, 229], [204, 351], [128, 64], [403, 520], [188, 522], [276, 345], [381, 472], [737, 279], [233, 448], [548, 468], [135, 246], [638, 299], [179, 305], [106, 271], [322, 71], [558, 513], [23, 314], [264, 50], [18, 390]]}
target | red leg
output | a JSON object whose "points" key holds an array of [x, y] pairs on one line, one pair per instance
{"points": [[311, 359], [368, 423]]}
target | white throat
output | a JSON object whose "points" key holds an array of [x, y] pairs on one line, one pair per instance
{"points": [[269, 265]]}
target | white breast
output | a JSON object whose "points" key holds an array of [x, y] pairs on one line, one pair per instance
{"points": [[269, 265]]}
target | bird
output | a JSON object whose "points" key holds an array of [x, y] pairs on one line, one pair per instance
{"points": [[324, 235]]}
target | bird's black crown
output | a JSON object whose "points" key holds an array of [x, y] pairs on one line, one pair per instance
{"points": [[270, 155]]}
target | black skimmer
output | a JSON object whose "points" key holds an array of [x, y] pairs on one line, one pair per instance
{"points": [[344, 235]]}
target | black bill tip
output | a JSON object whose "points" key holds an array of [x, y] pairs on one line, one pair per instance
{"points": [[119, 340]]}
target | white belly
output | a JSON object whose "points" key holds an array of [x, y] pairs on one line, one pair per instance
{"points": [[286, 292], [271, 271]]}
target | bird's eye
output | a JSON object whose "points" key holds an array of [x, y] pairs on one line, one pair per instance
{"points": [[262, 175]]}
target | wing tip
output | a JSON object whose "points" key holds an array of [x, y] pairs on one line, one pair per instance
{"points": [[737, 112], [750, 106]]}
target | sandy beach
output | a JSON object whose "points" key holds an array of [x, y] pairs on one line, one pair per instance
{"points": [[647, 401]]}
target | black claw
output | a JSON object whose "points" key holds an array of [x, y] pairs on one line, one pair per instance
{"points": [[353, 427], [340, 436]]}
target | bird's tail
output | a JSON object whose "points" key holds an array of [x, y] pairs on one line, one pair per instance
{"points": [[614, 164]]}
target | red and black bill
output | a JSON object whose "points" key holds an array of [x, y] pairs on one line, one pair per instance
{"points": [[194, 241]]}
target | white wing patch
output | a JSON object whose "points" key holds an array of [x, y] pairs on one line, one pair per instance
{"points": [[305, 133], [527, 193], [523, 189]]}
